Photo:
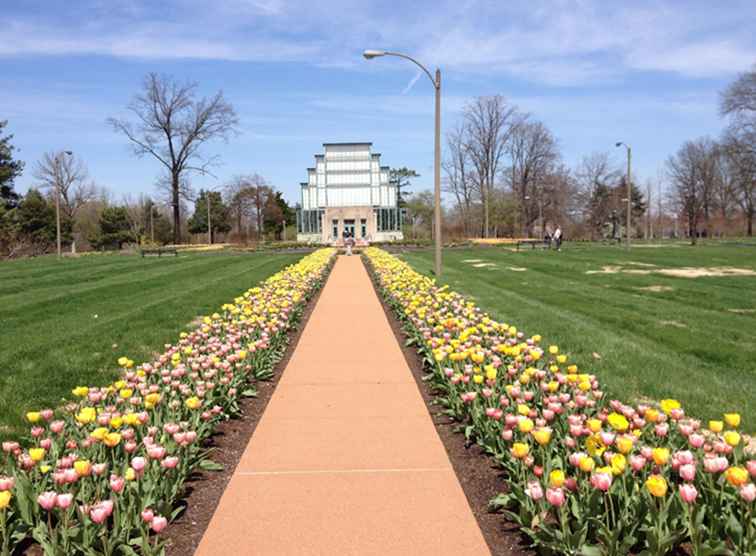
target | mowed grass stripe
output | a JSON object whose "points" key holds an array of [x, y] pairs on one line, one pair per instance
{"points": [[65, 346], [708, 363], [129, 285]]}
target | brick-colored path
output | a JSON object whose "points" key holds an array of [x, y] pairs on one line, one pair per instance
{"points": [[345, 459]]}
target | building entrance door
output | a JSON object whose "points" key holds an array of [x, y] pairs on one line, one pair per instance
{"points": [[349, 228]]}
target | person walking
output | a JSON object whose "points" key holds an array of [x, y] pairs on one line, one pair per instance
{"points": [[349, 243], [558, 238]]}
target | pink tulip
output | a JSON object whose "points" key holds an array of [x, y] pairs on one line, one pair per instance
{"points": [[147, 515], [688, 493], [661, 429], [138, 464], [7, 483], [555, 496], [688, 472], [170, 462], [47, 414], [98, 514], [751, 466], [159, 523], [601, 481], [99, 468], [571, 484], [57, 426], [36, 432], [748, 492], [156, 452], [696, 440], [47, 500], [637, 462], [534, 490], [117, 483], [64, 501]]}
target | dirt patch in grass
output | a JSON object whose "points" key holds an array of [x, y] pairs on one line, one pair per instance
{"points": [[656, 289], [481, 480], [484, 265], [517, 268], [743, 311], [635, 263], [682, 272], [472, 261], [699, 272], [204, 489], [674, 323]]}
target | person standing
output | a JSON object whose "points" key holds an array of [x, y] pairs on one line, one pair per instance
{"points": [[558, 238], [349, 243]]}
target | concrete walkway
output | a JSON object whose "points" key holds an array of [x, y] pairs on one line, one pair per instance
{"points": [[345, 459]]}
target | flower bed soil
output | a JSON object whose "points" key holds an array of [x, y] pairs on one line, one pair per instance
{"points": [[481, 480], [204, 490]]}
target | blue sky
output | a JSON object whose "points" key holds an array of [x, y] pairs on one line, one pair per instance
{"points": [[595, 72]]}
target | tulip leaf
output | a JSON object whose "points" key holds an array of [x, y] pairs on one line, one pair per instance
{"points": [[210, 465], [249, 393]]}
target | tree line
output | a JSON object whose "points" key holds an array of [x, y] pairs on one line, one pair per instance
{"points": [[504, 175], [171, 125]]}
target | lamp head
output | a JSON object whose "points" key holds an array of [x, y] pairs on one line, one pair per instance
{"points": [[618, 144], [69, 153], [370, 54]]}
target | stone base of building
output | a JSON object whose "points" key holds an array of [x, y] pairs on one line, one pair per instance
{"points": [[361, 223]]}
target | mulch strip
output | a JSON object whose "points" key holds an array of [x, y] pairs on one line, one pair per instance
{"points": [[204, 489], [477, 472]]}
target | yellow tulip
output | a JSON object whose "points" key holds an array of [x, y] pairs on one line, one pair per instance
{"points": [[618, 464], [716, 426], [112, 439], [561, 358], [656, 485], [586, 464], [193, 402], [520, 450], [5, 498], [556, 478], [80, 391], [651, 415], [36, 454], [478, 379], [668, 405], [553, 350], [732, 438], [130, 474], [33, 416], [618, 422], [660, 455], [594, 425], [83, 467], [736, 476], [86, 415], [542, 435], [526, 425], [99, 433], [490, 372], [523, 409], [732, 419], [624, 444]]}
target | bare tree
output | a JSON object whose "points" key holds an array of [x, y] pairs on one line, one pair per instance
{"points": [[741, 161], [534, 153], [596, 176], [490, 122], [459, 175], [172, 126], [69, 175], [691, 172]]}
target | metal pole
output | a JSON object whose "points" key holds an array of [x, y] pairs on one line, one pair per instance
{"points": [[437, 175], [57, 201], [209, 225], [629, 195], [152, 222]]}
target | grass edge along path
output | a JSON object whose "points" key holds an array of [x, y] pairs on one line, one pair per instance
{"points": [[587, 475], [105, 473], [345, 459]]}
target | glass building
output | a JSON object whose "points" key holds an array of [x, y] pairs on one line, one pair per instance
{"points": [[348, 193]]}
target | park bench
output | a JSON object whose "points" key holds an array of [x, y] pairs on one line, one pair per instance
{"points": [[533, 243], [159, 251]]}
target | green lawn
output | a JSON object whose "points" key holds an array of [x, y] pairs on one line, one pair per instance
{"points": [[693, 339], [65, 323]]}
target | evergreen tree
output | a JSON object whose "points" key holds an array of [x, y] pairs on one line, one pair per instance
{"points": [[36, 218], [10, 169], [219, 214], [115, 229]]}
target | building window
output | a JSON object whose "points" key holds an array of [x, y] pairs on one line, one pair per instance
{"points": [[335, 224], [387, 220], [363, 228], [309, 221]]}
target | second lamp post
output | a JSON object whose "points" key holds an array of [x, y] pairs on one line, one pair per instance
{"points": [[629, 192]]}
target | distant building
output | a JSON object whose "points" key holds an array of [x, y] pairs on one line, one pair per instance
{"points": [[348, 192]]}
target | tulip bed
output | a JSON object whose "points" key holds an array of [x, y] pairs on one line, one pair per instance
{"points": [[103, 473], [587, 475]]}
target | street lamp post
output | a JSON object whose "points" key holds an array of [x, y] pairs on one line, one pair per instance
{"points": [[57, 196], [209, 222], [369, 55], [629, 192]]}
